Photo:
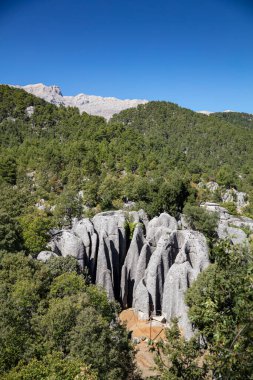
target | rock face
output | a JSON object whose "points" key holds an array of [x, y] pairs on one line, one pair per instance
{"points": [[149, 271], [93, 105]]}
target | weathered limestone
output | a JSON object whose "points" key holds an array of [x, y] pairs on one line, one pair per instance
{"points": [[66, 243], [150, 271], [142, 264], [178, 259], [130, 266], [84, 229], [192, 258], [110, 227], [158, 226]]}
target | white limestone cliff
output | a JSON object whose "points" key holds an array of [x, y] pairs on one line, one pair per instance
{"points": [[91, 104]]}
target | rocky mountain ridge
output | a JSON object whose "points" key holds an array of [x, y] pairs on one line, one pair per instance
{"points": [[93, 105]]}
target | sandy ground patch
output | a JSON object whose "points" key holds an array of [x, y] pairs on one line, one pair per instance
{"points": [[142, 331]]}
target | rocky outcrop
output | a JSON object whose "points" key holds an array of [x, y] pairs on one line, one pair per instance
{"points": [[232, 195], [67, 243], [46, 255], [129, 268], [230, 227], [176, 262], [191, 259], [149, 271], [237, 197], [93, 105]]}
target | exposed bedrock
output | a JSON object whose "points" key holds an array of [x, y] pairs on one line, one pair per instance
{"points": [[149, 271]]}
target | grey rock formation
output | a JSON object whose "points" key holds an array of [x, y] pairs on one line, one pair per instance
{"points": [[84, 229], [178, 259], [142, 301], [130, 266], [158, 226], [93, 105], [192, 258], [237, 197], [212, 186], [30, 111], [110, 227], [142, 264], [150, 271], [46, 255], [66, 243], [235, 235], [229, 226]]}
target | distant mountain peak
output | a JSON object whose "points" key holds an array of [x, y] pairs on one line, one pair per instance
{"points": [[205, 112], [92, 104], [210, 113]]}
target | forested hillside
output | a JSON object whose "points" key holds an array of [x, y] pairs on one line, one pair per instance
{"points": [[237, 118], [69, 164], [57, 164]]}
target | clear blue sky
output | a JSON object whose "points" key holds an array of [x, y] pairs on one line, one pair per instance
{"points": [[197, 53]]}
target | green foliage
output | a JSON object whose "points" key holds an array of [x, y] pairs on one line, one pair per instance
{"points": [[60, 265], [8, 169], [35, 227], [52, 366], [149, 155], [237, 118], [221, 309], [201, 220], [69, 205], [231, 207], [178, 358], [66, 285], [111, 346], [54, 325], [10, 233], [130, 225], [171, 197], [226, 177]]}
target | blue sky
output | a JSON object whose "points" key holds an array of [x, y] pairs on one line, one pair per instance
{"points": [[197, 53]]}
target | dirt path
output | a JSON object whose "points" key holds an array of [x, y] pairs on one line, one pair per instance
{"points": [[142, 331]]}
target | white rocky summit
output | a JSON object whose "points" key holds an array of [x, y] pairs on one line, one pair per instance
{"points": [[93, 105]]}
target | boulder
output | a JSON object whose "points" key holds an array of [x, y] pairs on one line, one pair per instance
{"points": [[158, 226], [66, 243], [84, 229], [235, 235], [46, 255]]}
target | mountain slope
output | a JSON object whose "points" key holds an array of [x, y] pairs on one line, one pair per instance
{"points": [[237, 118], [190, 138], [149, 155]]}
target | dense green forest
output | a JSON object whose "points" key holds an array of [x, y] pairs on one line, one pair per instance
{"points": [[56, 164], [237, 118], [54, 325], [79, 164]]}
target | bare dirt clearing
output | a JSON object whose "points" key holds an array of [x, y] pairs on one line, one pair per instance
{"points": [[142, 332]]}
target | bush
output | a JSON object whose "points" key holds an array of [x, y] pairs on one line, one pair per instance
{"points": [[201, 220]]}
